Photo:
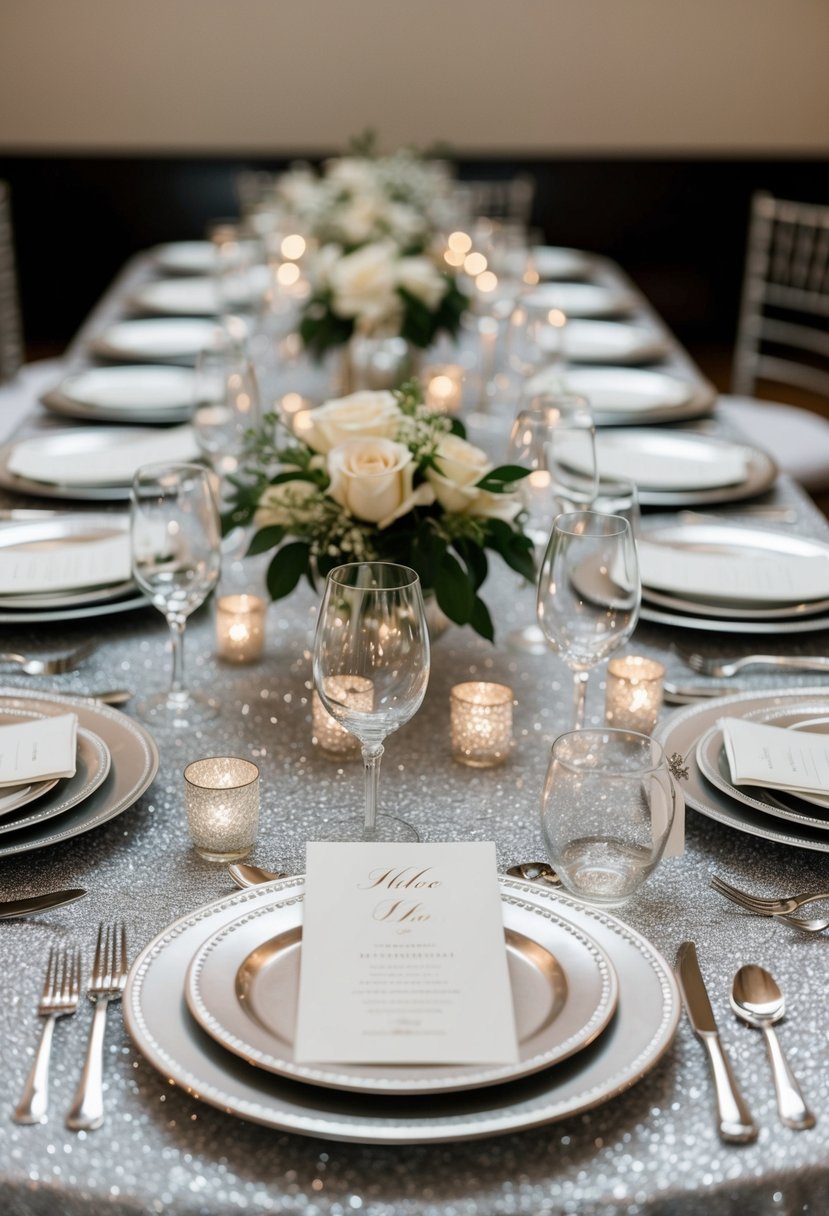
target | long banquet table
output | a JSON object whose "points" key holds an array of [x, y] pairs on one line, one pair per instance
{"points": [[652, 1150]]}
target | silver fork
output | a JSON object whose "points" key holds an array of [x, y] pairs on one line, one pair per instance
{"points": [[778, 909], [49, 667], [109, 975], [723, 668], [61, 994]]}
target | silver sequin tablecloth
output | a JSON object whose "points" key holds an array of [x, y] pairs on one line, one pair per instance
{"points": [[653, 1150]]}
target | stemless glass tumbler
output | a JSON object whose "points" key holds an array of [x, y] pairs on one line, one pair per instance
{"points": [[176, 559], [606, 811], [372, 635]]}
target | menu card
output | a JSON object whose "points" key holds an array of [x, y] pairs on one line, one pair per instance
{"points": [[776, 756], [774, 578], [39, 750], [403, 957], [65, 566]]}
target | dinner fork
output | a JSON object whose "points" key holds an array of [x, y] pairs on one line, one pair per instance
{"points": [[61, 994], [49, 667], [107, 981], [763, 906], [723, 668]]}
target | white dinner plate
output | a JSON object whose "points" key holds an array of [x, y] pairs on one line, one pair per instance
{"points": [[51, 534], [624, 396], [619, 342], [186, 257], [164, 1031], [21, 795], [134, 765], [582, 299], [243, 986], [182, 297], [156, 340], [557, 262], [143, 394], [681, 731]]}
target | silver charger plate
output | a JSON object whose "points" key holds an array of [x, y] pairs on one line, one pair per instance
{"points": [[21, 795], [31, 616], [181, 297], [741, 541], [243, 984], [582, 299], [619, 342], [164, 1031], [51, 534], [683, 620], [93, 765], [155, 340], [558, 262], [680, 733], [141, 393], [134, 765], [186, 257]]}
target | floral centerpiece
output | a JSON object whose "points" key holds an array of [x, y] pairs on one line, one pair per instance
{"points": [[378, 476]]}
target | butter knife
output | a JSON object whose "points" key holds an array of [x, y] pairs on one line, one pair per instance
{"points": [[734, 1121], [25, 907]]}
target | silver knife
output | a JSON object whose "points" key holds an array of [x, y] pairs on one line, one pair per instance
{"points": [[25, 907], [683, 694], [734, 1121]]}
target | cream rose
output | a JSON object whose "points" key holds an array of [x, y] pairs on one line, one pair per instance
{"points": [[460, 466], [364, 286], [363, 415], [422, 279], [285, 504], [372, 479]]}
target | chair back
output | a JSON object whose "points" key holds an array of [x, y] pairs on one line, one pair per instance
{"points": [[783, 330], [11, 330]]}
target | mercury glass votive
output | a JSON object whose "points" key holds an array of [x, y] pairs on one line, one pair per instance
{"points": [[481, 723], [329, 734], [634, 693], [240, 628], [443, 387], [221, 796]]}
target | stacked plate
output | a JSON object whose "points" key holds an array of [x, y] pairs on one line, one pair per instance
{"points": [[132, 394], [777, 815], [87, 562], [116, 762], [596, 1007], [732, 578]]}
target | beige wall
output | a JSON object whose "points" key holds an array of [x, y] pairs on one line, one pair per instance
{"points": [[532, 76]]}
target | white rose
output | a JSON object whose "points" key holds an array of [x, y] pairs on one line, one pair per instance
{"points": [[423, 280], [361, 219], [363, 415], [324, 261], [497, 506], [364, 285], [460, 465], [352, 173], [372, 479], [285, 504]]}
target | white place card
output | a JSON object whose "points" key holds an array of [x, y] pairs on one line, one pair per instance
{"points": [[403, 957], [776, 757], [65, 566], [774, 578], [39, 750]]}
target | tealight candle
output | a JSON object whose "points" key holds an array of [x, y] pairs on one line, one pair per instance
{"points": [[221, 796], [481, 723], [443, 387], [634, 693], [329, 734], [240, 627]]}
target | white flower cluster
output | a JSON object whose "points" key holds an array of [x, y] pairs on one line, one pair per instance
{"points": [[365, 441], [364, 284]]}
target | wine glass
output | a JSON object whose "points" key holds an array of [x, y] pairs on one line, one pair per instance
{"points": [[175, 545], [536, 337], [371, 668], [531, 444], [589, 593], [227, 404]]}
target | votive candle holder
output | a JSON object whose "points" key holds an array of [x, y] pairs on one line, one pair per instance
{"points": [[330, 735], [480, 716], [221, 797], [240, 628], [634, 693]]}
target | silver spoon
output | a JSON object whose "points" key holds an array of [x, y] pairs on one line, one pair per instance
{"points": [[531, 870], [251, 876], [756, 999]]}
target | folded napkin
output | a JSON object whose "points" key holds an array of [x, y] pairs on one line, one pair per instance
{"points": [[65, 567], [703, 467], [770, 578], [39, 750], [776, 757], [115, 465]]}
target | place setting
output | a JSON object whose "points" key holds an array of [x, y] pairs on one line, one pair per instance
{"points": [[131, 394]]}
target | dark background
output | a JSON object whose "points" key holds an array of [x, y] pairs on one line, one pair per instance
{"points": [[678, 226]]}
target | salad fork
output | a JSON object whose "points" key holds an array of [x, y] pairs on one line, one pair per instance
{"points": [[724, 668], [763, 906], [51, 666], [61, 994], [107, 982]]}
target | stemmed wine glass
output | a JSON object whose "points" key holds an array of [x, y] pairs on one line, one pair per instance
{"points": [[589, 593], [176, 558], [371, 668], [227, 405]]}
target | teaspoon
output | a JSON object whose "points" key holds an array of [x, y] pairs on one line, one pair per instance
{"points": [[251, 876], [756, 999], [531, 870]]}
